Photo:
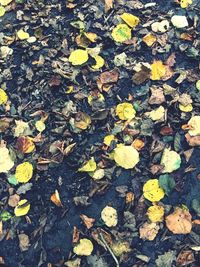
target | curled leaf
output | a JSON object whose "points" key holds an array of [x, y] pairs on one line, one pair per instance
{"points": [[22, 208]]}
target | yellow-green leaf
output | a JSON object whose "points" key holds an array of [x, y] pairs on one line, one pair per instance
{"points": [[22, 208], [152, 191], [84, 247], [126, 156], [155, 213], [6, 163], [125, 111], [40, 125], [194, 124], [99, 62], [5, 2], [22, 35], [78, 57], [130, 19], [121, 33], [171, 160], [109, 216], [89, 166], [2, 11], [185, 3], [24, 172], [3, 97], [158, 70]]}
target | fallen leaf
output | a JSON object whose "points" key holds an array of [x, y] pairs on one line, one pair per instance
{"points": [[130, 19], [13, 200], [82, 120], [109, 216], [24, 172], [156, 114], [125, 111], [99, 62], [185, 3], [25, 144], [2, 11], [121, 247], [180, 221], [167, 183], [22, 128], [108, 77], [138, 144], [5, 2], [89, 222], [155, 213], [157, 96], [22, 208], [55, 198], [193, 140], [40, 126], [84, 247], [149, 39], [108, 5], [194, 125], [158, 70], [148, 231], [3, 97], [108, 139], [126, 156], [6, 162], [89, 166], [78, 57], [171, 160], [121, 33], [22, 35], [185, 257], [23, 242], [152, 191], [166, 259], [179, 21]]}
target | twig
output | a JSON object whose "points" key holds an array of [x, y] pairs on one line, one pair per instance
{"points": [[109, 249]]}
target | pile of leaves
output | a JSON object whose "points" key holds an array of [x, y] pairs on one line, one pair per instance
{"points": [[99, 133]]}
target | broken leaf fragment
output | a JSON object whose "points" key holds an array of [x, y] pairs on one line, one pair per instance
{"points": [[180, 221], [108, 139], [24, 172], [171, 160], [155, 213], [78, 57], [22, 35], [130, 19], [99, 62], [5, 2], [3, 97], [152, 190], [126, 156], [187, 108], [109, 216], [22, 208], [158, 70], [121, 247], [156, 114], [84, 247], [125, 111], [121, 33], [194, 126], [179, 21], [89, 166], [6, 162], [149, 39], [55, 198], [40, 126]]}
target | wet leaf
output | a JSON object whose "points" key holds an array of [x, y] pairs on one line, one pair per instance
{"points": [[152, 190], [121, 247], [24, 172], [22, 208], [166, 259], [185, 3], [6, 162], [22, 128], [157, 114], [126, 156], [23, 242], [180, 221], [22, 35], [89, 166], [155, 213], [130, 19], [55, 198], [121, 33], [158, 70], [109, 216], [84, 247], [40, 126]]}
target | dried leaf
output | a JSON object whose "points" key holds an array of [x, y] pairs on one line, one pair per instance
{"points": [[130, 19], [84, 247], [171, 160], [148, 231], [158, 70], [125, 111], [109, 216], [3, 97], [55, 198], [25, 144], [87, 221], [126, 156], [155, 213]]}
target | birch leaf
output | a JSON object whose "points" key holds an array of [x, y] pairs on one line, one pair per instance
{"points": [[121, 33], [78, 57], [126, 156], [130, 19], [84, 248]]}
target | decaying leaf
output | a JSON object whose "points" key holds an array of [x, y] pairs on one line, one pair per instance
{"points": [[166, 259], [121, 247], [126, 156], [55, 198], [84, 247], [194, 126], [23, 242], [156, 114], [87, 221], [148, 231], [109, 216], [185, 257], [180, 221], [22, 128], [108, 5], [149, 39]]}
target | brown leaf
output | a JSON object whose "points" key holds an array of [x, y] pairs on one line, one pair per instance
{"points": [[55, 198], [171, 60], [13, 200], [185, 257], [148, 231], [111, 76], [25, 144], [108, 5], [193, 140], [157, 96], [180, 221], [87, 221], [75, 235], [23, 242], [142, 75], [166, 130]]}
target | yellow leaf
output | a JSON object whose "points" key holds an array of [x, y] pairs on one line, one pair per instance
{"points": [[121, 247], [78, 57], [149, 39], [156, 114], [3, 97], [187, 108], [109, 216], [108, 139], [89, 166], [125, 111], [152, 191], [121, 33], [40, 126], [126, 156], [84, 248], [97, 174], [22, 35], [171, 160], [2, 11], [22, 208], [24, 172], [185, 3], [91, 36], [82, 120], [99, 62], [155, 213], [194, 124], [5, 2], [130, 19], [180, 221], [6, 163], [158, 70], [21, 128]]}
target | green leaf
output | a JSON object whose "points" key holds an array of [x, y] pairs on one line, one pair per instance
{"points": [[5, 215], [166, 259], [12, 180], [167, 183]]}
